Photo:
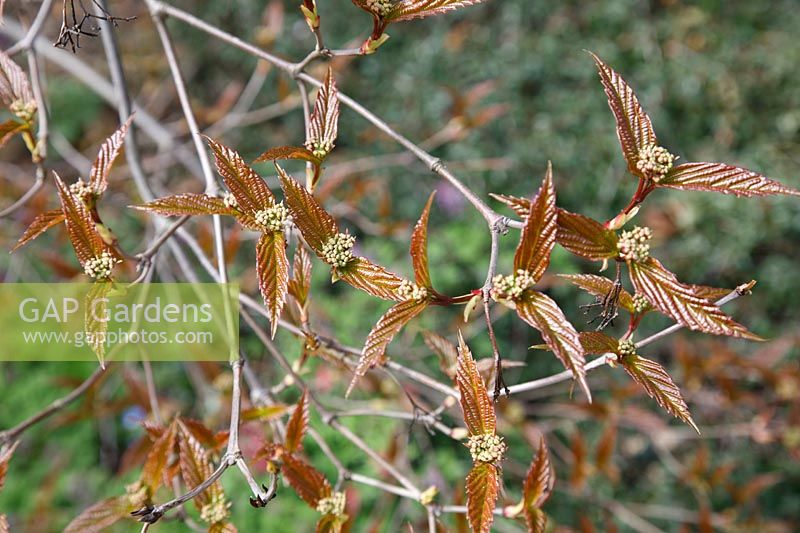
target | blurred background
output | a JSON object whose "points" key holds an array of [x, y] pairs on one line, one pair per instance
{"points": [[495, 90]]}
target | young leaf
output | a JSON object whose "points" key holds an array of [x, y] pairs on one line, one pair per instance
{"points": [[14, 86], [8, 129], [475, 403], [598, 343], [298, 423], [521, 206], [6, 452], [417, 9], [445, 350], [42, 222], [658, 385], [676, 300], [188, 204], [374, 352], [316, 225], [373, 279], [419, 247], [101, 515], [157, 460], [539, 234], [300, 283], [195, 466], [634, 128], [537, 488], [727, 179], [600, 286], [250, 191], [482, 486], [101, 168], [585, 237], [542, 313], [96, 305], [288, 152], [273, 274], [324, 124], [81, 229], [306, 480]]}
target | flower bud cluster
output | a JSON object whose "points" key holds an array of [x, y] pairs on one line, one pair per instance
{"points": [[640, 303], [81, 189], [626, 348], [337, 252], [411, 291], [216, 511], [100, 267], [320, 148], [23, 110], [655, 161], [634, 245], [486, 448], [274, 218], [512, 286], [230, 200], [332, 505], [381, 7]]}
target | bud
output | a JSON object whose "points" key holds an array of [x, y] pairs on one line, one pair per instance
{"points": [[82, 190], [511, 287], [272, 219], [215, 511], [332, 505], [337, 251], [486, 448], [380, 7], [655, 162], [230, 200], [320, 149], [633, 245], [100, 267], [411, 291], [23, 110], [640, 303], [428, 496], [626, 348]]}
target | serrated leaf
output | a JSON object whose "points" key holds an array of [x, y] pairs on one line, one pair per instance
{"points": [[539, 233], [249, 189], [677, 300], [537, 488], [42, 222], [445, 350], [222, 527], [600, 286], [158, 458], [389, 325], [14, 84], [96, 305], [81, 229], [288, 152], [711, 294], [542, 313], [191, 204], [727, 179], [323, 126], [305, 480], [297, 425], [6, 452], [482, 486], [330, 523], [521, 206], [101, 168], [316, 225], [195, 465], [300, 283], [101, 515], [417, 9], [585, 237], [265, 412], [273, 274], [598, 342], [658, 385], [634, 129], [373, 279], [8, 129], [478, 409], [419, 247]]}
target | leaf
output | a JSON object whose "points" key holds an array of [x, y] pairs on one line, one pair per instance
{"points": [[158, 458], [14, 84], [300, 283], [42, 222], [419, 247], [539, 234], [478, 409], [537, 488], [81, 229], [265, 412], [634, 128], [542, 313], [3, 519], [250, 191], [323, 126], [195, 466], [417, 9], [365, 275], [727, 179], [306, 480], [598, 343], [711, 294], [445, 350], [188, 204], [101, 168], [600, 286], [288, 152], [585, 237], [273, 274], [521, 206], [482, 486], [389, 325], [330, 523], [6, 452], [8, 129], [676, 300], [96, 305], [659, 386], [316, 225], [297, 425], [101, 515]]}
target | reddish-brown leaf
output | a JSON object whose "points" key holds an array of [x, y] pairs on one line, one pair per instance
{"points": [[365, 275], [710, 293], [188, 204], [521, 206], [727, 179], [6, 452], [306, 480], [585, 237], [8, 129], [42, 222], [417, 9], [155, 465], [419, 247], [659, 386], [250, 191], [598, 342], [14, 84], [101, 168], [288, 152], [537, 488], [101, 515], [539, 234], [81, 229], [297, 425], [300, 283], [96, 305], [222, 527], [324, 124], [634, 128], [273, 274], [445, 350], [478, 409], [389, 325], [330, 523], [316, 225], [676, 300], [600, 286], [195, 466], [542, 313], [482, 486]]}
